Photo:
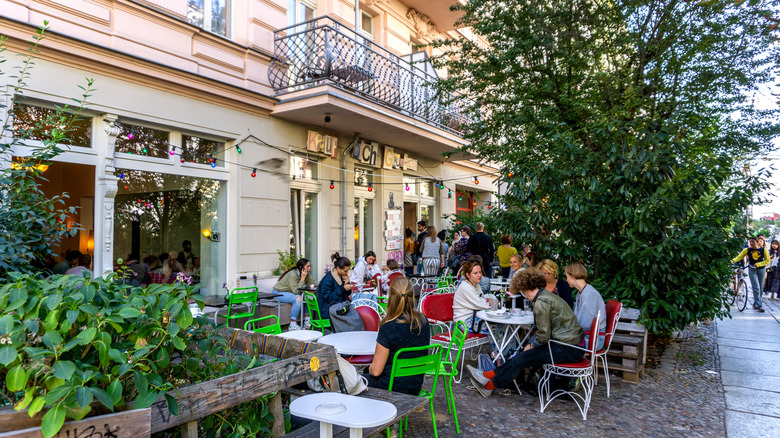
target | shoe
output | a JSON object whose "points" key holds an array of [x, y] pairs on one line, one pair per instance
{"points": [[530, 389], [477, 375], [307, 323], [760, 310], [294, 326], [481, 388]]}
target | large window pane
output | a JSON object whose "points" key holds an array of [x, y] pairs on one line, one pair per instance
{"points": [[303, 227], [302, 168], [202, 151], [155, 213], [211, 15], [140, 140], [35, 122], [368, 224]]}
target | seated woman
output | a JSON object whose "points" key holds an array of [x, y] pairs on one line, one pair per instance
{"points": [[389, 273], [468, 297], [555, 285], [289, 282], [514, 266], [553, 319], [365, 269], [589, 301], [334, 286], [402, 326]]}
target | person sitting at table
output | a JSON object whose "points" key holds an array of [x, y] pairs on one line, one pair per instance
{"points": [[288, 287], [553, 318], [555, 285], [390, 272], [365, 269], [514, 266], [588, 302], [468, 296], [504, 253], [402, 326], [531, 260], [334, 286]]}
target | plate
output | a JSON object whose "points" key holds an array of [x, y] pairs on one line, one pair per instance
{"points": [[501, 315], [330, 408]]}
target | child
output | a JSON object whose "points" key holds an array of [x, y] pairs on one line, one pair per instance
{"points": [[388, 271]]}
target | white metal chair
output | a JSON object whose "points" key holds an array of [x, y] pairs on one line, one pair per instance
{"points": [[582, 370], [370, 303]]}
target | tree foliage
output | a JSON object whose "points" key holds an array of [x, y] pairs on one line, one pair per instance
{"points": [[623, 129]]}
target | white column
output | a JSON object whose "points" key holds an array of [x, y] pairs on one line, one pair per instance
{"points": [[106, 186]]}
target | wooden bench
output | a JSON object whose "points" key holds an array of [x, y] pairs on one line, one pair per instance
{"points": [[404, 403], [627, 352]]}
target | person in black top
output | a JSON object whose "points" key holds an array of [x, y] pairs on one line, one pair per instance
{"points": [[482, 245], [402, 327], [758, 259], [422, 233]]}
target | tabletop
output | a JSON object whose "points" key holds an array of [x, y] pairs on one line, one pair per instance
{"points": [[512, 320], [351, 343], [219, 300], [302, 335], [343, 410]]}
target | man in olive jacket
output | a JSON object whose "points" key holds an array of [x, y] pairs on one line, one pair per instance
{"points": [[553, 318]]}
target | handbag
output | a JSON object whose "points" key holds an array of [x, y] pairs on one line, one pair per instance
{"points": [[408, 259], [354, 383], [344, 318], [454, 262]]}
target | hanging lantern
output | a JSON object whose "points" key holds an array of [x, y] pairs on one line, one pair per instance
{"points": [[238, 149], [130, 136], [370, 189], [441, 185], [407, 187], [121, 175], [509, 175], [476, 180], [332, 186], [254, 173], [173, 150]]}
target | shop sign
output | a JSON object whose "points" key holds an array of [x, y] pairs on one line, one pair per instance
{"points": [[322, 144], [367, 153], [393, 245], [393, 160]]}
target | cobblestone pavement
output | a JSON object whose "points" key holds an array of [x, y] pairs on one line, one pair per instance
{"points": [[682, 397]]}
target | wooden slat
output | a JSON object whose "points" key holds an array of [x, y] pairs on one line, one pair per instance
{"points": [[200, 400], [128, 424], [631, 327], [619, 339], [630, 314]]}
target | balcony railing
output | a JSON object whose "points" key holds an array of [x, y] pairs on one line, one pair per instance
{"points": [[322, 51]]}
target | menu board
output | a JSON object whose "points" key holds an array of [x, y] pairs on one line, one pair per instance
{"points": [[393, 224]]}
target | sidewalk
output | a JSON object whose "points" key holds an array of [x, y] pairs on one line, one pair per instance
{"points": [[749, 350]]}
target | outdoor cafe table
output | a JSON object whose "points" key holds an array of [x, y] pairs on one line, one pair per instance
{"points": [[351, 343], [301, 291], [215, 303], [512, 326], [302, 335], [350, 411]]}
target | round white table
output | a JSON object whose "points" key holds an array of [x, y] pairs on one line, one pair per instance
{"points": [[512, 325], [351, 343], [350, 411], [302, 335]]}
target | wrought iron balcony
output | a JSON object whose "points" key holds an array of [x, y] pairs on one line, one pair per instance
{"points": [[323, 51]]}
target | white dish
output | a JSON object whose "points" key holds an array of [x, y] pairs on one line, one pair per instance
{"points": [[330, 408]]}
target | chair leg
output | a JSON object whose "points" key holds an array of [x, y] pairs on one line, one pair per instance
{"points": [[454, 411], [433, 419], [606, 372]]}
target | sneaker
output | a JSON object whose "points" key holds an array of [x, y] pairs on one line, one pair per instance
{"points": [[307, 323], [294, 326], [477, 375], [760, 310], [481, 388]]}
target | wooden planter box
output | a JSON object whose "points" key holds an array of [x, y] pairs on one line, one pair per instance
{"points": [[298, 362]]}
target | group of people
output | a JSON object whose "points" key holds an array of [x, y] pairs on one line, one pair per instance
{"points": [[158, 269], [762, 268]]}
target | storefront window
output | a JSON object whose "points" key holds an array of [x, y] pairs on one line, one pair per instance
{"points": [[140, 140], [426, 188], [364, 225], [202, 151], [363, 177], [302, 168], [155, 213], [303, 228], [34, 122], [426, 214]]}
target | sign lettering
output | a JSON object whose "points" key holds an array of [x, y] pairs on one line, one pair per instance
{"points": [[368, 153], [322, 143]]}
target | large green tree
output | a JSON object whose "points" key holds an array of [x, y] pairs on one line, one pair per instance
{"points": [[623, 128]]}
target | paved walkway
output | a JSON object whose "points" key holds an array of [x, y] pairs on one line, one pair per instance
{"points": [[749, 351]]}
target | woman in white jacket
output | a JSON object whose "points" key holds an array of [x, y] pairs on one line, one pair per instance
{"points": [[468, 297]]}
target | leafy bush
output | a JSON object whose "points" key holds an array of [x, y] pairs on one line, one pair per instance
{"points": [[287, 259], [68, 341]]}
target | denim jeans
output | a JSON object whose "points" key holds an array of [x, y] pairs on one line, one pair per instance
{"points": [[534, 357], [289, 297], [757, 283]]}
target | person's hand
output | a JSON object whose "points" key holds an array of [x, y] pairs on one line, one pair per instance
{"points": [[348, 286], [528, 347], [303, 273], [385, 268], [442, 264]]}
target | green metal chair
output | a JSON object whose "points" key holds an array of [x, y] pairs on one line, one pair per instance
{"points": [[239, 296], [428, 364], [315, 319], [273, 329], [448, 369]]}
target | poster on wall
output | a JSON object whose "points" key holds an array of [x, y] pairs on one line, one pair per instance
{"points": [[393, 237]]}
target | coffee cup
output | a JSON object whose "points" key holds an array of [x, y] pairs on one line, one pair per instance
{"points": [[516, 312]]}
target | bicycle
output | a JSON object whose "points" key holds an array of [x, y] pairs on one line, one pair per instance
{"points": [[738, 288]]}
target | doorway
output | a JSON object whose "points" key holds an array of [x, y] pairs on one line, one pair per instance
{"points": [[410, 217]]}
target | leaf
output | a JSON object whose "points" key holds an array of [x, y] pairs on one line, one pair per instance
{"points": [[141, 384], [115, 391], [84, 396], [129, 312], [64, 369], [103, 397], [173, 405], [52, 301], [72, 315], [146, 400], [16, 379], [87, 335], [53, 421], [7, 355], [6, 324], [36, 406]]}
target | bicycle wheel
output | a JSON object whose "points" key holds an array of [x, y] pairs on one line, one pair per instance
{"points": [[742, 295]]}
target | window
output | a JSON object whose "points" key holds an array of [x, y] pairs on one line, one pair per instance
{"points": [[305, 10], [202, 151], [211, 15], [140, 140], [302, 168], [426, 188], [410, 186], [363, 177], [364, 225], [34, 122], [303, 225], [367, 24]]}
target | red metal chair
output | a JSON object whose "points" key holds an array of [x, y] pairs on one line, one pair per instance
{"points": [[392, 277], [614, 309], [158, 278], [438, 309], [370, 319], [582, 370]]}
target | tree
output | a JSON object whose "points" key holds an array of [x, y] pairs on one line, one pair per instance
{"points": [[623, 129], [30, 222]]}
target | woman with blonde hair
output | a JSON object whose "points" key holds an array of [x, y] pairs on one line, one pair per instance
{"points": [[402, 327], [555, 285]]}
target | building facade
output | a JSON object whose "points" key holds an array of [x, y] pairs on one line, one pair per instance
{"points": [[247, 127]]}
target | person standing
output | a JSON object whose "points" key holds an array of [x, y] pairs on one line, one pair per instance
{"points": [[459, 248], [442, 235], [408, 253], [505, 253], [758, 259], [432, 252], [482, 245], [422, 233]]}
